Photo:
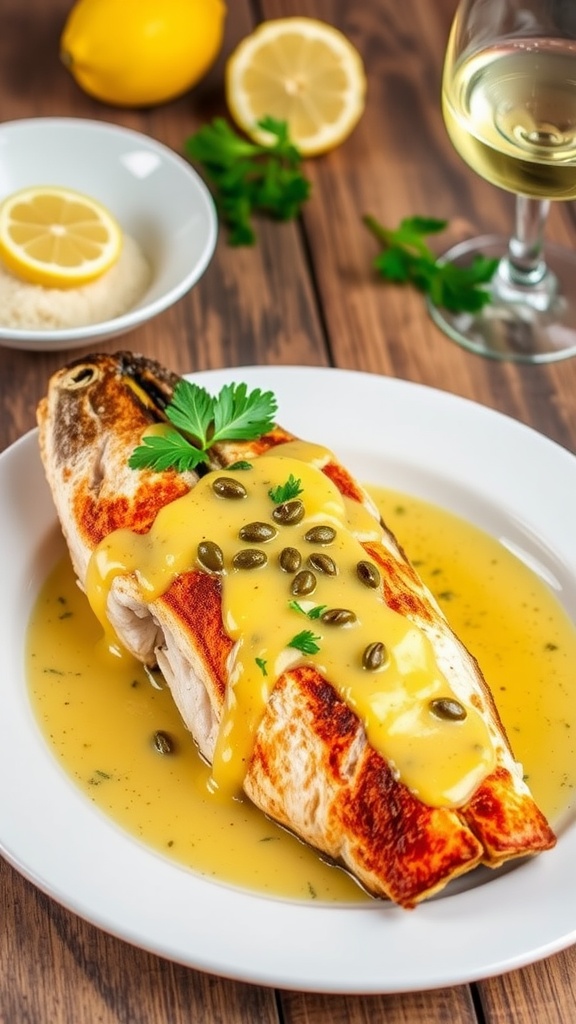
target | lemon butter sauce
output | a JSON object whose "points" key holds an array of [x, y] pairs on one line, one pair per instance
{"points": [[103, 725], [382, 665], [102, 717]]}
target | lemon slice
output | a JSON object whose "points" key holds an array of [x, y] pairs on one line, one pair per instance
{"points": [[301, 71], [57, 237]]}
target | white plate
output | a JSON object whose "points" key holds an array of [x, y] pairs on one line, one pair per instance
{"points": [[156, 196], [505, 477]]}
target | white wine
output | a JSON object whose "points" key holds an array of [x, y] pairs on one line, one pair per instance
{"points": [[510, 111]]}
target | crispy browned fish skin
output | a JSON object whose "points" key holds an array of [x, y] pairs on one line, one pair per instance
{"points": [[343, 799]]}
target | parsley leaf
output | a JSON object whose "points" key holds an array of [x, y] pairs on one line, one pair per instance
{"points": [[284, 492], [406, 259], [201, 421], [306, 641], [167, 451], [313, 613], [239, 414], [191, 410], [262, 663], [248, 177]]}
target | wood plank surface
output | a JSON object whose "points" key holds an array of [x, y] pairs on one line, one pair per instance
{"points": [[304, 295], [454, 1004], [544, 992]]}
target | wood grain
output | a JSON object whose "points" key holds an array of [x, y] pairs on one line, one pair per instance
{"points": [[454, 1005], [545, 992], [305, 294], [56, 969]]}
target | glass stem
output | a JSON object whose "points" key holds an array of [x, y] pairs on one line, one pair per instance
{"points": [[525, 264]]}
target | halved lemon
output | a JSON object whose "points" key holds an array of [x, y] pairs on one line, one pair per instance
{"points": [[301, 71], [57, 237]]}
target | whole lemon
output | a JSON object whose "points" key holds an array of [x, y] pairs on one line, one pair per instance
{"points": [[138, 53]]}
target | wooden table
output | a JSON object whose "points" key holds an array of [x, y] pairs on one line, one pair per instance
{"points": [[304, 295]]}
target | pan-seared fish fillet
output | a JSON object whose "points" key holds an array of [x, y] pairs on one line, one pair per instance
{"points": [[311, 759]]}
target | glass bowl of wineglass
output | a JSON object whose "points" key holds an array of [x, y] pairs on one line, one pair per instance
{"points": [[509, 105]]}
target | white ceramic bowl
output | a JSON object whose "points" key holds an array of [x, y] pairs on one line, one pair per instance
{"points": [[155, 195]]}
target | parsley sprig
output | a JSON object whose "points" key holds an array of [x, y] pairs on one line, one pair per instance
{"points": [[248, 177], [202, 420], [406, 259], [286, 491], [306, 641]]}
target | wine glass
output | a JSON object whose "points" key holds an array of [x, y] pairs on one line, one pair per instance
{"points": [[509, 105]]}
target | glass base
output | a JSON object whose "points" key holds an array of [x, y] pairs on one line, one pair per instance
{"points": [[535, 324]]}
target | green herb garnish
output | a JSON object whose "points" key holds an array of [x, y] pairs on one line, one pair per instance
{"points": [[406, 259], [167, 451], [201, 421], [261, 662], [248, 177], [314, 613], [306, 642], [285, 492]]}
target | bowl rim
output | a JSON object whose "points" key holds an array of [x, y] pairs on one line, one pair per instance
{"points": [[132, 318]]}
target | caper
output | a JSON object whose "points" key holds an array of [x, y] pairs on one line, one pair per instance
{"points": [[162, 742], [304, 582], [257, 532], [228, 487], [320, 535], [288, 513], [375, 656], [447, 708], [323, 563], [249, 558], [338, 616], [210, 556], [290, 559], [368, 574]]}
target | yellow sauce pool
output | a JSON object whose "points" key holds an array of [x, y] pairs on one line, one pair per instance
{"points": [[102, 717]]}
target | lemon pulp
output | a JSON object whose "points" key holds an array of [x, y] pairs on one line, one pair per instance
{"points": [[57, 237], [302, 71]]}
